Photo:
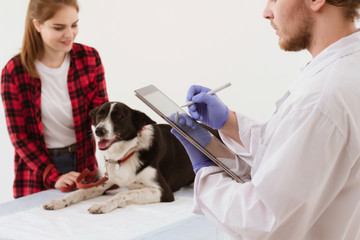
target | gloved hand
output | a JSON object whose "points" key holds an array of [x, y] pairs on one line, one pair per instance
{"points": [[199, 134], [208, 109], [198, 159], [192, 128]]}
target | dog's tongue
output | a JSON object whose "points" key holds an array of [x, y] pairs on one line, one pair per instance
{"points": [[105, 143], [102, 144]]}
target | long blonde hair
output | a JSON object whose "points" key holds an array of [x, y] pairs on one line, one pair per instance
{"points": [[32, 46]]}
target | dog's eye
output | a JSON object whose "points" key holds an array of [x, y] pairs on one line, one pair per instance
{"points": [[115, 115], [118, 115], [101, 114]]}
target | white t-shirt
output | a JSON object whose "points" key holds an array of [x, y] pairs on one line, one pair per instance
{"points": [[56, 109], [306, 159]]}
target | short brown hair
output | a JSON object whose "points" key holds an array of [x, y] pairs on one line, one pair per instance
{"points": [[351, 7], [32, 46]]}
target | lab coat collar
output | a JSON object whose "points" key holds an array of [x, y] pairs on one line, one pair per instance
{"points": [[339, 49]]}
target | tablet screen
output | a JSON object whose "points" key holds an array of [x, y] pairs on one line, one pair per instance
{"points": [[195, 133]]}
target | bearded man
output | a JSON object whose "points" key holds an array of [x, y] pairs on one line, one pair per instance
{"points": [[303, 164]]}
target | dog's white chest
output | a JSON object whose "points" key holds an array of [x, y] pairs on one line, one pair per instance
{"points": [[121, 174], [125, 175]]}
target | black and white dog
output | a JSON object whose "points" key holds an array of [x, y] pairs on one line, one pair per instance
{"points": [[139, 154]]}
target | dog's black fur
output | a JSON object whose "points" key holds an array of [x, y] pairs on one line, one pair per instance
{"points": [[158, 167], [166, 154]]}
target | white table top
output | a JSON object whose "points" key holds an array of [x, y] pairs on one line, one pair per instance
{"points": [[25, 217]]}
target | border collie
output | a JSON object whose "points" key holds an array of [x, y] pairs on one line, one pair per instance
{"points": [[139, 154]]}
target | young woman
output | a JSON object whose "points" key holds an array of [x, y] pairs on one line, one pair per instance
{"points": [[47, 91]]}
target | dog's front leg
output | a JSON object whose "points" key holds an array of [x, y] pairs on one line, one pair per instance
{"points": [[77, 196], [137, 196]]}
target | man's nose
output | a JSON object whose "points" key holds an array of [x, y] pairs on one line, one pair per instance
{"points": [[267, 13]]}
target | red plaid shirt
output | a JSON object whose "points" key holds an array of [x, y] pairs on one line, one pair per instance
{"points": [[21, 98]]}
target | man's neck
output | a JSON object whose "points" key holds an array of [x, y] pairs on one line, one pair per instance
{"points": [[329, 27]]}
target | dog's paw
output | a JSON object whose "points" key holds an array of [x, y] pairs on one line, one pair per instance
{"points": [[98, 209], [55, 204], [105, 207]]}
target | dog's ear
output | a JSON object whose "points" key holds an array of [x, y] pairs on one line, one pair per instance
{"points": [[92, 114], [141, 119]]}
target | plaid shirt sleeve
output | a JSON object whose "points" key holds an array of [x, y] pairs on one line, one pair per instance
{"points": [[22, 104], [21, 117]]}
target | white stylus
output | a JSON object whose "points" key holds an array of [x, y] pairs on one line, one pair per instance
{"points": [[210, 92], [176, 117]]}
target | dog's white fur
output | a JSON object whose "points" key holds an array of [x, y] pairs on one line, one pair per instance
{"points": [[142, 188]]}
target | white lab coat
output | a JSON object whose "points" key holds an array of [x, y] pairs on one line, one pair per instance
{"points": [[305, 160]]}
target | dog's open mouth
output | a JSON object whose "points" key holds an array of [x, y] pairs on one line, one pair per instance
{"points": [[104, 144]]}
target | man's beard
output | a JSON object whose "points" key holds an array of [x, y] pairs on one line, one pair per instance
{"points": [[297, 42], [301, 37]]}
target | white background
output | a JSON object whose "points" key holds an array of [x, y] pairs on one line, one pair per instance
{"points": [[171, 44]]}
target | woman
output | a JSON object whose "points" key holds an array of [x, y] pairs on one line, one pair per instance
{"points": [[47, 91]]}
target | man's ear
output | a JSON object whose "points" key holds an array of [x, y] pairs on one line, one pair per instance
{"points": [[36, 25], [316, 5], [92, 114]]}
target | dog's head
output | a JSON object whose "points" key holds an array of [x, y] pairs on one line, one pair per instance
{"points": [[115, 121]]}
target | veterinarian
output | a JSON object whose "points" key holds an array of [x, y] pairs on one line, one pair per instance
{"points": [[305, 159], [47, 91]]}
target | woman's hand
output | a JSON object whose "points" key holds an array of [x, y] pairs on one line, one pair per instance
{"points": [[66, 179]]}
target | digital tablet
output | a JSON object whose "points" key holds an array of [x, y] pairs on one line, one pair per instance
{"points": [[194, 132]]}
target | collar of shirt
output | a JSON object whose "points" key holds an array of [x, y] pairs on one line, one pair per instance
{"points": [[339, 49]]}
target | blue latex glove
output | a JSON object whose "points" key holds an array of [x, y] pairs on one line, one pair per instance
{"points": [[208, 109], [192, 128], [198, 159], [198, 133]]}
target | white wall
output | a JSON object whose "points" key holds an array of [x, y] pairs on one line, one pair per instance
{"points": [[172, 44]]}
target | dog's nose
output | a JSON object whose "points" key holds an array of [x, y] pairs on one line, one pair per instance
{"points": [[100, 131]]}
